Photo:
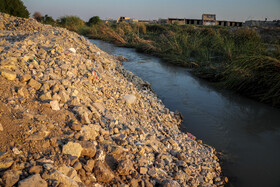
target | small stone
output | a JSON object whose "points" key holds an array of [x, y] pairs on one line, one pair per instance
{"points": [[73, 149], [55, 105], [89, 132], [89, 149], [129, 99], [143, 170], [77, 166], [1, 127], [46, 96], [62, 178], [9, 75], [103, 173], [72, 50], [34, 84], [70, 172], [76, 127], [99, 107], [89, 166], [33, 181], [45, 161], [6, 163], [35, 137], [124, 167], [35, 169], [16, 151], [170, 183], [100, 155], [10, 178], [25, 78]]}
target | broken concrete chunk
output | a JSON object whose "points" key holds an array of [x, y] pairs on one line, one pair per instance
{"points": [[72, 148], [25, 78], [34, 84], [33, 181], [103, 173], [129, 99], [9, 75], [6, 163], [55, 105]]}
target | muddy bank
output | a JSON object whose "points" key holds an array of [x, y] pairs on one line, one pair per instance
{"points": [[71, 115]]}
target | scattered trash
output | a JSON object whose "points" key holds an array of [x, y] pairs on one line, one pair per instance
{"points": [[95, 74], [72, 50], [191, 136]]}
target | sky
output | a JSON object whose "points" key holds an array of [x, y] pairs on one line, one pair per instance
{"points": [[231, 10]]}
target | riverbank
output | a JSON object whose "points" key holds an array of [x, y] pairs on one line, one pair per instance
{"points": [[245, 60], [70, 114]]}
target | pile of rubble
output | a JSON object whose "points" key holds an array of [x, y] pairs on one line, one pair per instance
{"points": [[71, 115]]}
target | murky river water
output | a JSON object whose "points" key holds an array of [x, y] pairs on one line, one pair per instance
{"points": [[248, 132]]}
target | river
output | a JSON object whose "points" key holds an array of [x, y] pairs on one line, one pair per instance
{"points": [[246, 131]]}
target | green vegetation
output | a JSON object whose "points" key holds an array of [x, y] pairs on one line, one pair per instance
{"points": [[235, 58], [94, 21], [72, 23], [14, 7], [245, 60]]}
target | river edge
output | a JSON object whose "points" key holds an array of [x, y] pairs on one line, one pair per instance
{"points": [[203, 73], [141, 83], [89, 121]]}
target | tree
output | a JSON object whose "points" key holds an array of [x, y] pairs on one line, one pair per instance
{"points": [[38, 16], [14, 7], [49, 20], [94, 21]]}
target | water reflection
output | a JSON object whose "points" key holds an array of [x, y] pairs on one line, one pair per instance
{"points": [[248, 131]]}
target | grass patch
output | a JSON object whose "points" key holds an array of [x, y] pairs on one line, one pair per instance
{"points": [[245, 60]]}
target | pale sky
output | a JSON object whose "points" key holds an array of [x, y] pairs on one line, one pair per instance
{"points": [[231, 10]]}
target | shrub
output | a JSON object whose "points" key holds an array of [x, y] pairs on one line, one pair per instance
{"points": [[94, 21], [14, 7], [72, 23]]}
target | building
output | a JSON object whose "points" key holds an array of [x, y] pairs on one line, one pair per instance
{"points": [[122, 19], [260, 23], [127, 20], [176, 21], [207, 19]]}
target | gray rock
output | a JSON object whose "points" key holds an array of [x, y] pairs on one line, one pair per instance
{"points": [[129, 99], [33, 181]]}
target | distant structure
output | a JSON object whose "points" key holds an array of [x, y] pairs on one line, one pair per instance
{"points": [[207, 19], [260, 23], [148, 21], [126, 19]]}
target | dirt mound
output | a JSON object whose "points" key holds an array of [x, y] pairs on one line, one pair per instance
{"points": [[71, 115]]}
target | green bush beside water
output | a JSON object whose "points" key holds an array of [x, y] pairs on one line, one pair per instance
{"points": [[239, 59]]}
